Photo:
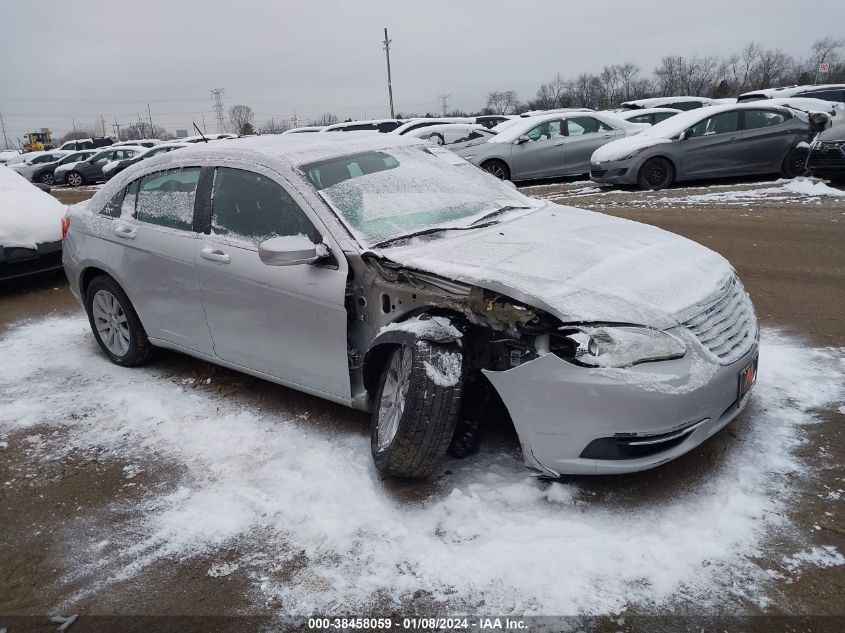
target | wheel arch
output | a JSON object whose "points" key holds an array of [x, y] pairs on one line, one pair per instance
{"points": [[384, 343]]}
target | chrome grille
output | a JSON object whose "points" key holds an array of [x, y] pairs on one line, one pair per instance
{"points": [[728, 328]]}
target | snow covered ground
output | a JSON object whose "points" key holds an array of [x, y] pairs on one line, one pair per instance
{"points": [[799, 190], [302, 515]]}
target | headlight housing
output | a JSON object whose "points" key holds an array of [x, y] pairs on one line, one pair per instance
{"points": [[614, 345], [635, 152]]}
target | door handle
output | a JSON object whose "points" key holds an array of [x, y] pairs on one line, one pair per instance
{"points": [[559, 143], [734, 139], [214, 255], [125, 231]]}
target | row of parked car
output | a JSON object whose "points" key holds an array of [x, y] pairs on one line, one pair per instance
{"points": [[88, 161], [649, 142]]}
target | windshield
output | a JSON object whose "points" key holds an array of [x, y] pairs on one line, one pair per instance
{"points": [[393, 192]]}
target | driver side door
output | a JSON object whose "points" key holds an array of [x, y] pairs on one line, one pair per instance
{"points": [[713, 147], [543, 155], [287, 322]]}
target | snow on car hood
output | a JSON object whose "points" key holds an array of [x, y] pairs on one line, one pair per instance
{"points": [[623, 147], [28, 216], [579, 265]]}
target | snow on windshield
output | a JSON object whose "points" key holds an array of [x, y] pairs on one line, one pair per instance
{"points": [[393, 192]]}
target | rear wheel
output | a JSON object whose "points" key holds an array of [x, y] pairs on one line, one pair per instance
{"points": [[415, 408], [497, 168], [656, 173], [75, 179], [115, 324], [47, 178], [794, 164]]}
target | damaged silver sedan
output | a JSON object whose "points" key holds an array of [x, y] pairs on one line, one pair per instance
{"points": [[397, 278]]}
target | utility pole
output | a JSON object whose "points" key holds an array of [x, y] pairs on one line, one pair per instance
{"points": [[140, 126], [116, 128], [3, 125], [152, 129], [217, 98], [203, 124], [386, 43], [444, 102], [103, 123]]}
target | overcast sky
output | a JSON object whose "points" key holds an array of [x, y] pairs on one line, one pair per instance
{"points": [[67, 61]]}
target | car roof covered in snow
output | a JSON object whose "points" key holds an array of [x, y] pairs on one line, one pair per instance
{"points": [[343, 124], [787, 91], [510, 133], [654, 102]]}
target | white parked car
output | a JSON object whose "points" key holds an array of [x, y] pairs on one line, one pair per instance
{"points": [[373, 125], [415, 124], [453, 136], [650, 116], [677, 103], [826, 92], [305, 128], [7, 154]]}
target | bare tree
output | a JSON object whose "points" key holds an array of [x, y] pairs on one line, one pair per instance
{"points": [[503, 102], [628, 76], [241, 118], [274, 126], [555, 94], [327, 118], [825, 50]]}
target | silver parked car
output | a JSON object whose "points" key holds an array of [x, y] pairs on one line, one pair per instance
{"points": [[548, 145], [394, 277], [727, 140], [453, 136]]}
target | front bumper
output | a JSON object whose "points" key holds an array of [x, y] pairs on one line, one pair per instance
{"points": [[651, 413], [618, 172]]}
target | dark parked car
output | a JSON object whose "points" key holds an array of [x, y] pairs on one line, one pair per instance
{"points": [[115, 167], [827, 155], [712, 142], [91, 170], [46, 172], [87, 143]]}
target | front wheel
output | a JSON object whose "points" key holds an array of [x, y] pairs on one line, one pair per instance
{"points": [[415, 408], [794, 164], [497, 168], [115, 324], [656, 173], [75, 179]]}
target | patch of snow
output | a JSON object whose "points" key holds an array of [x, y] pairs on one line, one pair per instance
{"points": [[445, 368], [313, 526], [436, 328], [28, 216], [824, 556], [222, 569]]}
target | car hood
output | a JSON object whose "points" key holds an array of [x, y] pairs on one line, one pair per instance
{"points": [[835, 133], [67, 166], [579, 265]]}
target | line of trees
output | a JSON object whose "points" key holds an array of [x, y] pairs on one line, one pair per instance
{"points": [[752, 68]]}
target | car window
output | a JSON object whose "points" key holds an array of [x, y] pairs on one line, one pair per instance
{"points": [[251, 207], [643, 118], [113, 206], [684, 105], [388, 126], [99, 159], [721, 123], [576, 126], [167, 198], [545, 130], [827, 95], [755, 119], [125, 153], [662, 116], [46, 158]]}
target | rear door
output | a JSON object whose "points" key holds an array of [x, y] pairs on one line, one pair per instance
{"points": [[584, 135], [543, 155], [767, 136], [152, 251], [288, 322], [713, 147]]}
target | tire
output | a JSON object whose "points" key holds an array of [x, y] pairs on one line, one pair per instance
{"points": [[115, 323], [47, 178], [475, 408], [75, 179], [497, 168], [656, 173], [794, 164], [415, 409]]}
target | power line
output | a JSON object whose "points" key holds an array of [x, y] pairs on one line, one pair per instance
{"points": [[217, 96]]}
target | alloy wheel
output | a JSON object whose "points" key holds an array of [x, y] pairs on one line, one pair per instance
{"points": [[48, 179], [393, 396], [111, 323], [74, 179], [496, 169]]}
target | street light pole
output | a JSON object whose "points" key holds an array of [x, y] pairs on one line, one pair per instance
{"points": [[389, 83]]}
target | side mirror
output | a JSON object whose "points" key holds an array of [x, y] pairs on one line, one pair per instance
{"points": [[686, 134], [290, 250], [521, 139]]}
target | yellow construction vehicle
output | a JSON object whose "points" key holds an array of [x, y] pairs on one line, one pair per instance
{"points": [[37, 141]]}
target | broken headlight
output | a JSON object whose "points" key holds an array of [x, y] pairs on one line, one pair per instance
{"points": [[613, 345]]}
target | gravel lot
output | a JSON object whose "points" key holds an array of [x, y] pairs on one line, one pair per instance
{"points": [[187, 488]]}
